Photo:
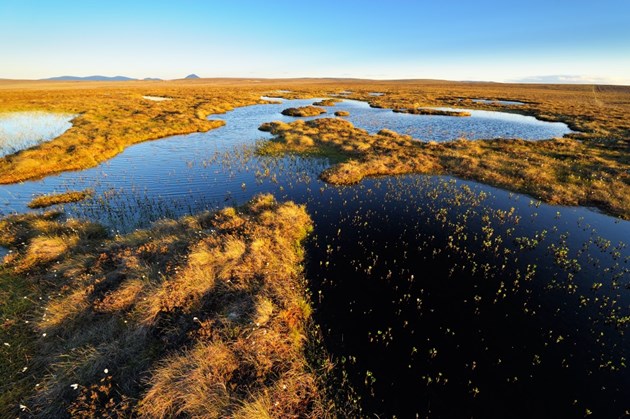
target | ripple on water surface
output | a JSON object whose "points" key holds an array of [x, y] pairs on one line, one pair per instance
{"points": [[22, 130]]}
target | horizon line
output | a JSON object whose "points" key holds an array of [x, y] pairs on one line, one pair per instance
{"points": [[528, 80]]}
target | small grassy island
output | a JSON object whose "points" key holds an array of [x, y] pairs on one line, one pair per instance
{"points": [[304, 111], [327, 102]]}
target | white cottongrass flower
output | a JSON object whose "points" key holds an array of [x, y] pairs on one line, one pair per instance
{"points": [[74, 386]]}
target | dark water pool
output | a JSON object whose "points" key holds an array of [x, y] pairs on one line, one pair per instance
{"points": [[444, 298], [437, 297]]}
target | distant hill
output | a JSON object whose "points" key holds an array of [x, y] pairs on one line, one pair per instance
{"points": [[151, 79], [192, 76], [91, 78]]}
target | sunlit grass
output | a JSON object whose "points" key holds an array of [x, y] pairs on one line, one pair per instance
{"points": [[203, 316]]}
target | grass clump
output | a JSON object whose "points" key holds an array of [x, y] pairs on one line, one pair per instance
{"points": [[304, 111], [205, 316], [559, 171], [60, 198], [342, 113]]}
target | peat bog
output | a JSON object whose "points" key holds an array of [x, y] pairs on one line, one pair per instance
{"points": [[435, 296]]}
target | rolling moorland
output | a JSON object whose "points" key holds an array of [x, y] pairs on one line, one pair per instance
{"points": [[211, 314]]}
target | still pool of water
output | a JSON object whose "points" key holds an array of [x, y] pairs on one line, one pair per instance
{"points": [[437, 296], [21, 130], [481, 124]]}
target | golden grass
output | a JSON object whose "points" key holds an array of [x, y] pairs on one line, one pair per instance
{"points": [[559, 171], [60, 198], [205, 316]]}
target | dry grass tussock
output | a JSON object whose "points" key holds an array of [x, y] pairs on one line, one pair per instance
{"points": [[205, 316], [559, 171]]}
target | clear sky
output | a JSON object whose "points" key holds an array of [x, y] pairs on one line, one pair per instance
{"points": [[548, 40]]}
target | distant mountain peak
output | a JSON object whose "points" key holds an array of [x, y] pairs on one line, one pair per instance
{"points": [[192, 76], [92, 78]]}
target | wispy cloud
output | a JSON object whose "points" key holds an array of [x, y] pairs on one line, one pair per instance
{"points": [[570, 79]]}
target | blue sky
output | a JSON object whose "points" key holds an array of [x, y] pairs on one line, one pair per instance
{"points": [[575, 41]]}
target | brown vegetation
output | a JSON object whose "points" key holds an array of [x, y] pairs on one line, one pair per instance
{"points": [[60, 198], [430, 111], [342, 113], [558, 171], [304, 111], [205, 316]]}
